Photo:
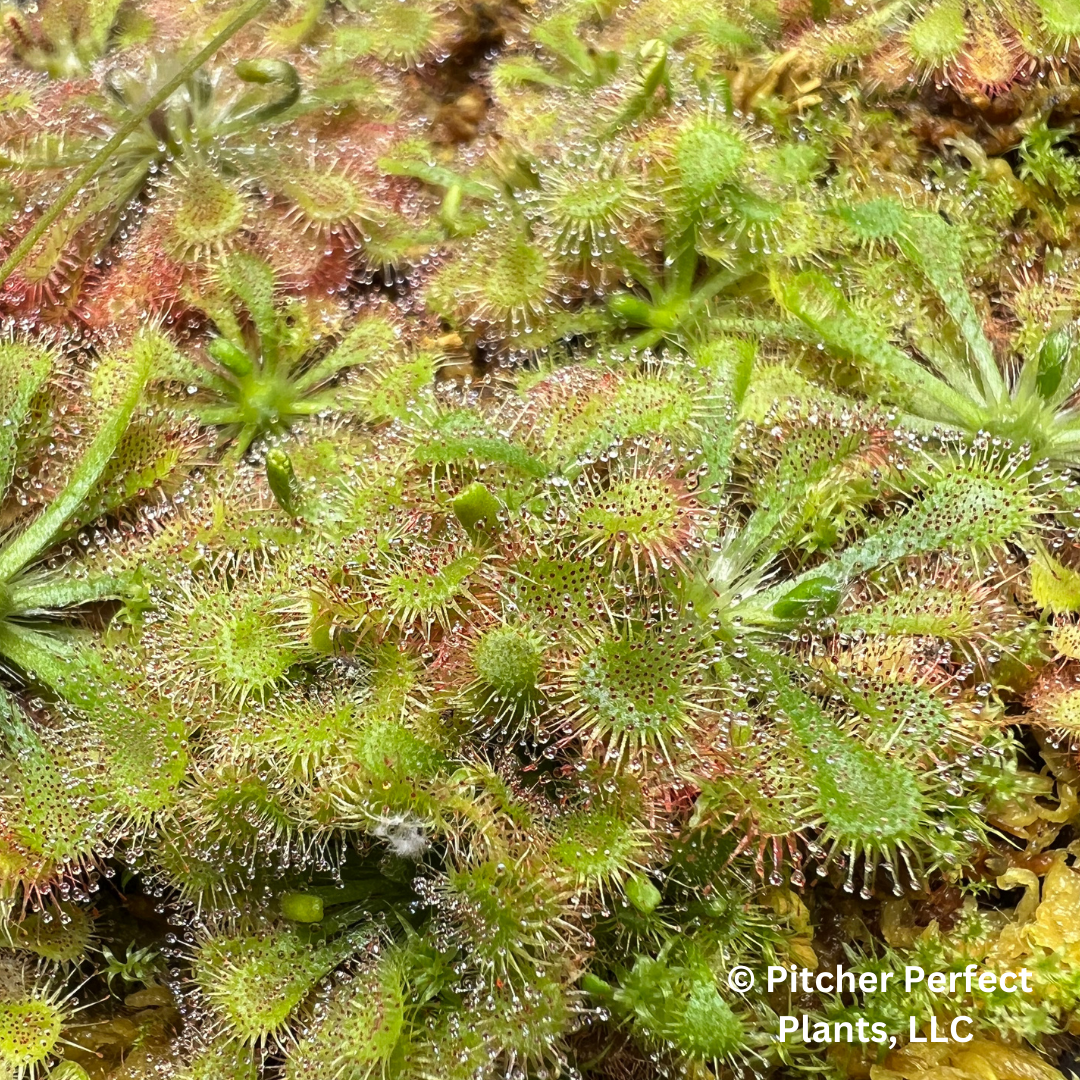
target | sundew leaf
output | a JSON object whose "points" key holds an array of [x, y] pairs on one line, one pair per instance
{"points": [[933, 246], [963, 510], [822, 306], [36, 537], [23, 371]]}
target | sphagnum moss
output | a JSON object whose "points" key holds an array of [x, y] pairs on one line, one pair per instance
{"points": [[508, 513]]}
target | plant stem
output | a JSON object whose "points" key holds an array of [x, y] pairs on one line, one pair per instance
{"points": [[91, 168]]}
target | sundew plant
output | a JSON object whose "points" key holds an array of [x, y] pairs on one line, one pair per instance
{"points": [[510, 511]]}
